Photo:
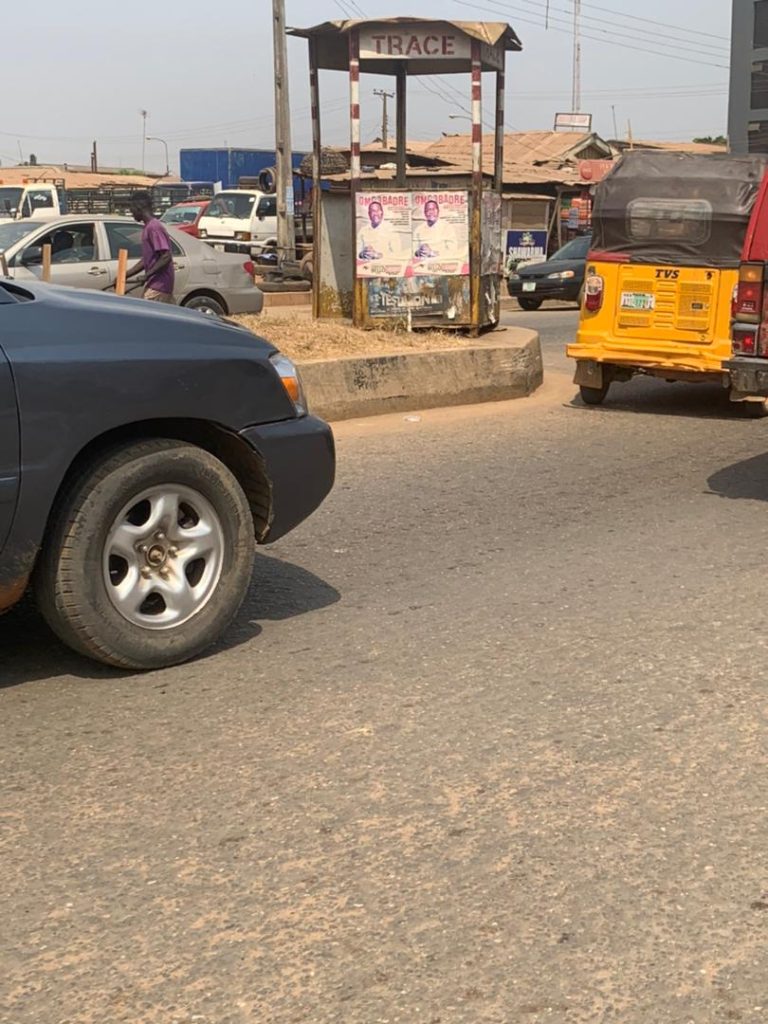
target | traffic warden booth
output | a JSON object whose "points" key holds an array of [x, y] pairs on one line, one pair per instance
{"points": [[415, 246]]}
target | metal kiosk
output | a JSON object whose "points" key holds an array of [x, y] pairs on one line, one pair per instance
{"points": [[420, 246]]}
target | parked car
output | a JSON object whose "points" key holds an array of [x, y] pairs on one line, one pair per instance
{"points": [[241, 220], [186, 216], [144, 450], [84, 251], [559, 277]]}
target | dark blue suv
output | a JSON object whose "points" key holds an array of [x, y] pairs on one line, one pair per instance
{"points": [[144, 451]]}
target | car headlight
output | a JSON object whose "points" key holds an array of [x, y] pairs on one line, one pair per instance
{"points": [[289, 375], [562, 276], [243, 236], [513, 277], [203, 233]]}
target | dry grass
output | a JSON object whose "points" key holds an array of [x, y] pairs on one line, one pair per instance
{"points": [[303, 338]]}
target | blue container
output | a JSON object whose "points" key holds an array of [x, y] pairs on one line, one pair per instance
{"points": [[227, 165]]}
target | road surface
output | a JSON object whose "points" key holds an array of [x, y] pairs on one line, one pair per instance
{"points": [[487, 744]]}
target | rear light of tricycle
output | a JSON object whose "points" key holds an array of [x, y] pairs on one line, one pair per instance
{"points": [[748, 305], [594, 286], [744, 341], [249, 267]]}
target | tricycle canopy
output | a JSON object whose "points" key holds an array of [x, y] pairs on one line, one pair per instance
{"points": [[677, 208]]}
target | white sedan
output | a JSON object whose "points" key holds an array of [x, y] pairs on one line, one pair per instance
{"points": [[84, 253]]}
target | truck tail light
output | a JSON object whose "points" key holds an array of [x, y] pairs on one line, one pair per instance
{"points": [[749, 293], [593, 293], [744, 341]]}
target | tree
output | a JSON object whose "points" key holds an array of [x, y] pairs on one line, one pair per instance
{"points": [[32, 160], [713, 140]]}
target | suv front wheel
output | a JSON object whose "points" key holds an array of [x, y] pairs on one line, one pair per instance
{"points": [[149, 556]]}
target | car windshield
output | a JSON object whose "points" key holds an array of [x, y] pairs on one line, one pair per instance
{"points": [[9, 200], [13, 231], [576, 249], [181, 214], [231, 204]]}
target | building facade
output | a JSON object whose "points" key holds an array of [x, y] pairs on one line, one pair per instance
{"points": [[748, 98]]}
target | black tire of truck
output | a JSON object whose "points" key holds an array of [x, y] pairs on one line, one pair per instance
{"points": [[77, 568]]}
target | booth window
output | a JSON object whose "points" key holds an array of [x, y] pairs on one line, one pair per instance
{"points": [[669, 220]]}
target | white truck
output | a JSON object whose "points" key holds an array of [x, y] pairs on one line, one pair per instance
{"points": [[38, 200], [240, 220]]}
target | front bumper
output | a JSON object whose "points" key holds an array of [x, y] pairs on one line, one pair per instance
{"points": [[300, 462], [545, 289], [749, 376]]}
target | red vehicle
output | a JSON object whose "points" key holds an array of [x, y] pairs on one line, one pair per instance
{"points": [[748, 365], [186, 216]]}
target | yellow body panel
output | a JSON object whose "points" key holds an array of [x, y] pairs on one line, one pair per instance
{"points": [[658, 318]]}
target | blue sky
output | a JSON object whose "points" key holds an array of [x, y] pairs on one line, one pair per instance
{"points": [[207, 80]]}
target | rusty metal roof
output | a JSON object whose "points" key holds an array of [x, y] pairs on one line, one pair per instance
{"points": [[331, 39]]}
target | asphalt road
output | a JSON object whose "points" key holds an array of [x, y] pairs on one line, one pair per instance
{"points": [[487, 744]]}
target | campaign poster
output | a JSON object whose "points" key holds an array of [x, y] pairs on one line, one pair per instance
{"points": [[383, 234], [440, 233], [490, 240]]}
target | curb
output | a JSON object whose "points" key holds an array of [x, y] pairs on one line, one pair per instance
{"points": [[489, 371]]}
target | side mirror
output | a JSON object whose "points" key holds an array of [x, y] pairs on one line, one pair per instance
{"points": [[32, 256]]}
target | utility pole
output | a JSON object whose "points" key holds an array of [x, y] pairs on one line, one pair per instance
{"points": [[384, 120], [576, 93], [615, 128], [286, 224], [94, 158]]}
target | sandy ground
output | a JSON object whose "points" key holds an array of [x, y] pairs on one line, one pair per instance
{"points": [[302, 338]]}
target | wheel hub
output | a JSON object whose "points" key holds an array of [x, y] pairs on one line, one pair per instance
{"points": [[163, 557]]}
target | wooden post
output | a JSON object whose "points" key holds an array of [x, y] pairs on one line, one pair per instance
{"points": [[122, 267], [475, 209], [46, 275], [286, 216]]}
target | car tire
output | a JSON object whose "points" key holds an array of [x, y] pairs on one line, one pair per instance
{"points": [[593, 396], [206, 304], [148, 557], [529, 305]]}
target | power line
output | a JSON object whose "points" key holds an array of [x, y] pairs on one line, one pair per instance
{"points": [[685, 30], [609, 42], [623, 30]]}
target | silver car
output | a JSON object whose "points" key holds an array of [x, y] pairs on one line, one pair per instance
{"points": [[84, 251]]}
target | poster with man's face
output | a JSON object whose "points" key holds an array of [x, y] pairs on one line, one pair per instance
{"points": [[383, 234], [440, 233]]}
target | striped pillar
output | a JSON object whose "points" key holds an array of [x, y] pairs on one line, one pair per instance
{"points": [[498, 170], [314, 93], [354, 109], [477, 114]]}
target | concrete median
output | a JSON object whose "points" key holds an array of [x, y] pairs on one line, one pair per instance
{"points": [[504, 365]]}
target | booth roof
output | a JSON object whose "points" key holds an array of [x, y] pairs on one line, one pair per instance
{"points": [[331, 39]]}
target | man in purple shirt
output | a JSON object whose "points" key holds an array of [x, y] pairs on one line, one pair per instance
{"points": [[156, 256]]}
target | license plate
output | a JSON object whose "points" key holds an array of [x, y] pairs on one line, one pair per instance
{"points": [[637, 300], [529, 286]]}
